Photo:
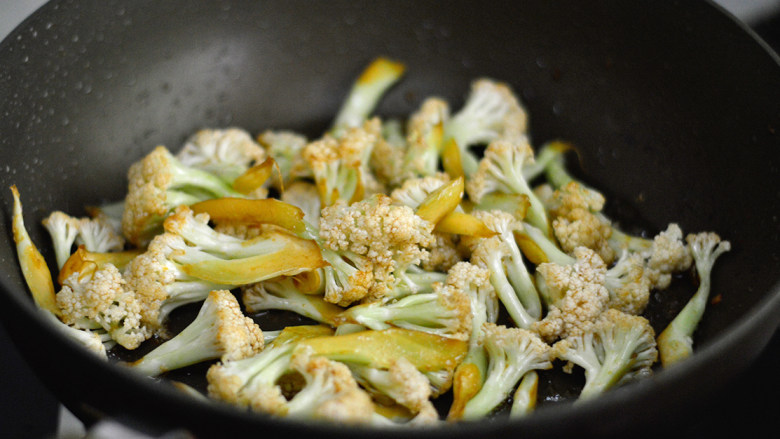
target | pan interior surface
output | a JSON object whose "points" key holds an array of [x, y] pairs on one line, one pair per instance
{"points": [[674, 109]]}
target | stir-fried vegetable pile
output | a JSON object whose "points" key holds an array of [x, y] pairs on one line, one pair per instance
{"points": [[419, 266]]}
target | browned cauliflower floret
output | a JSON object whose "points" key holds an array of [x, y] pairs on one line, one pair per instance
{"points": [[330, 393], [444, 253], [379, 238], [575, 294], [100, 298], [629, 283], [575, 223], [401, 383], [219, 331], [387, 158], [159, 183], [340, 166], [425, 131], [161, 284], [190, 259]]}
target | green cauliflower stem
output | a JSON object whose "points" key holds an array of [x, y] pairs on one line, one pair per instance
{"points": [[675, 342]]}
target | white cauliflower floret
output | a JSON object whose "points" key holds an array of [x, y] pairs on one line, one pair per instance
{"points": [[403, 384], [285, 148], [98, 235], [511, 353], [491, 112], [446, 311], [64, 230], [414, 191], [304, 195], [227, 153], [668, 254]]}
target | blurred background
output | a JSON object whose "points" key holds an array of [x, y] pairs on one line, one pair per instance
{"points": [[28, 410]]}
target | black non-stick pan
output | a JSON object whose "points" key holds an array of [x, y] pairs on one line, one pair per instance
{"points": [[674, 106]]}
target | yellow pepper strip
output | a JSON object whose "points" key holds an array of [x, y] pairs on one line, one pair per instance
{"points": [[308, 282], [460, 223], [301, 332], [465, 384], [253, 211], [516, 204], [427, 352], [442, 201], [256, 176], [34, 269], [531, 249], [450, 159]]}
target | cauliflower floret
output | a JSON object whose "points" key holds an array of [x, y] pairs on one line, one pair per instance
{"points": [[64, 230], [414, 191], [386, 237], [160, 283], [616, 349], [424, 136], [575, 224], [668, 254], [575, 293], [100, 296], [491, 112], [285, 148], [220, 330], [403, 384], [340, 166], [98, 235], [444, 253], [227, 153], [629, 283], [446, 312], [387, 157], [304, 195], [331, 392], [511, 353], [159, 183]]}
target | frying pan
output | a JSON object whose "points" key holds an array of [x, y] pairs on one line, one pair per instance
{"points": [[674, 106]]}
